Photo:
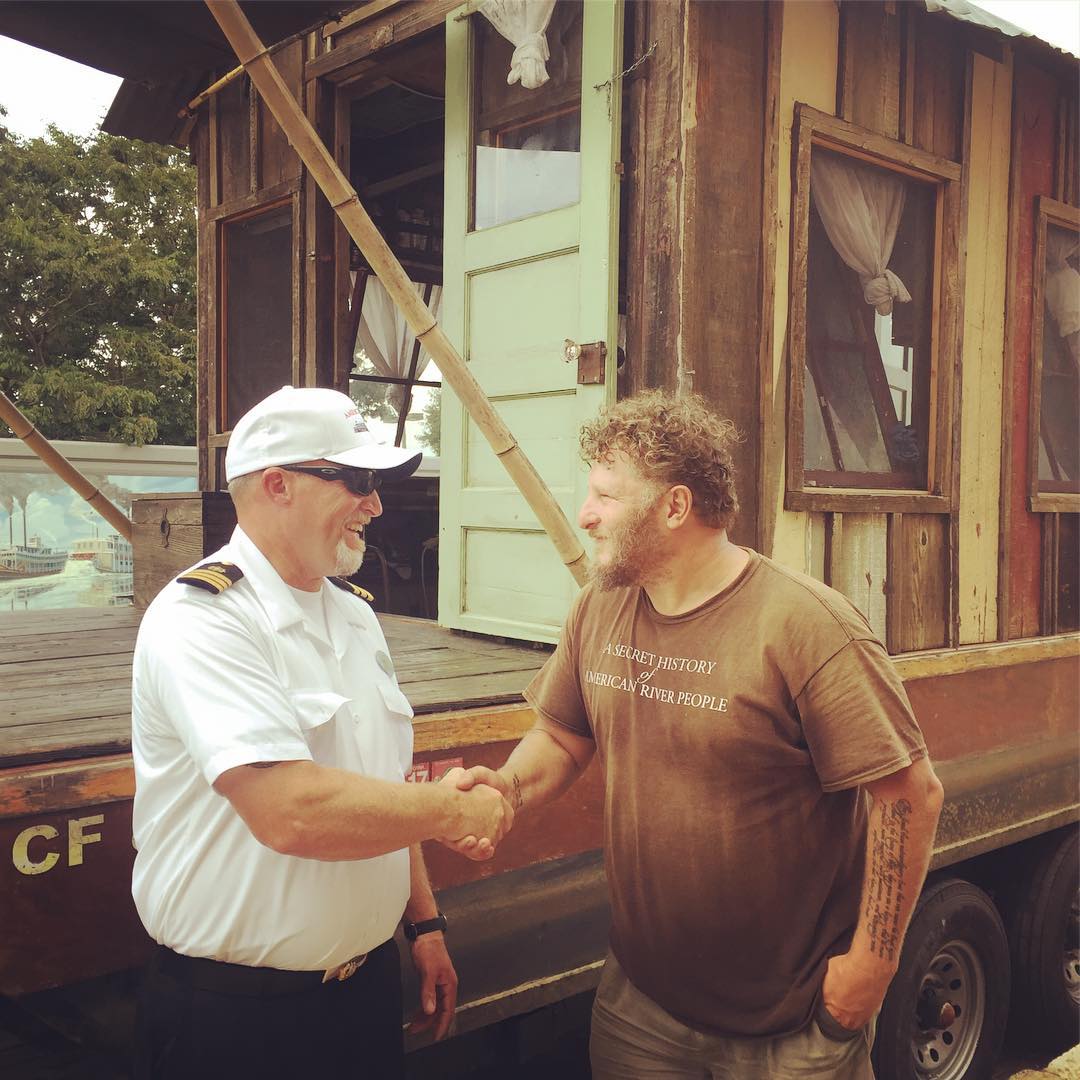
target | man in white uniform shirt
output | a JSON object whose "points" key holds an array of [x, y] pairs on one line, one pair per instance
{"points": [[277, 845]]}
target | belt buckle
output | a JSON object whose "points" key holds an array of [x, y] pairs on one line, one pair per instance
{"points": [[346, 970]]}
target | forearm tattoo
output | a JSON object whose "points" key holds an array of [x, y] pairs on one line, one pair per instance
{"points": [[889, 829], [517, 800], [261, 764]]}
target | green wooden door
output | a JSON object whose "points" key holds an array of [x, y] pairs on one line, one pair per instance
{"points": [[530, 260]]}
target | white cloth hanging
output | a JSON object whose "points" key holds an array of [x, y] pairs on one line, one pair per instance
{"points": [[1062, 288], [385, 335], [523, 23], [860, 207]]}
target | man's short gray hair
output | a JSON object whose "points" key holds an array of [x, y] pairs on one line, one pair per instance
{"points": [[242, 485]]}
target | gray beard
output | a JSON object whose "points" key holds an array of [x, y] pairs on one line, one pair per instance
{"points": [[347, 561]]}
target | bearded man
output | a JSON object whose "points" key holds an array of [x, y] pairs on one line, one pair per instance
{"points": [[769, 806], [278, 847]]}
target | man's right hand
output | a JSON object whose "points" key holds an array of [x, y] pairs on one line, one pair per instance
{"points": [[465, 779], [484, 816]]}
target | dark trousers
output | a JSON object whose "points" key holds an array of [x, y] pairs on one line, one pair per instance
{"points": [[196, 1023]]}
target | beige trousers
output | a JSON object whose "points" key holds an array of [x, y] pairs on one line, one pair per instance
{"points": [[634, 1039]]}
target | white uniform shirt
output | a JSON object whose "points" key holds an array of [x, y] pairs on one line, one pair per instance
{"points": [[226, 680]]}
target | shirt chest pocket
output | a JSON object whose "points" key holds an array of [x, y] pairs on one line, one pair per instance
{"points": [[315, 709], [401, 713], [394, 700]]}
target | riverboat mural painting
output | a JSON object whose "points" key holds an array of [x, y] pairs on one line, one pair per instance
{"points": [[57, 553], [33, 559]]}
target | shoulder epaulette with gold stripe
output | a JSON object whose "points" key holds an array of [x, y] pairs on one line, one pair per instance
{"points": [[348, 586], [214, 577]]}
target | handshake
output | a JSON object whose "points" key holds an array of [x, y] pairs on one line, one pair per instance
{"points": [[481, 813]]}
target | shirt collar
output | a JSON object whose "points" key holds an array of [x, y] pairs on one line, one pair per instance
{"points": [[270, 591], [343, 612], [276, 598]]}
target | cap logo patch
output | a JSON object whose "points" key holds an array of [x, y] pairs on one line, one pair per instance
{"points": [[358, 424]]}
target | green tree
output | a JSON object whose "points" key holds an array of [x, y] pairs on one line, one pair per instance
{"points": [[431, 426], [97, 287], [371, 400]]}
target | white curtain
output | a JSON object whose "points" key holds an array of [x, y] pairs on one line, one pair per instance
{"points": [[385, 335], [1062, 288], [860, 207], [522, 23]]}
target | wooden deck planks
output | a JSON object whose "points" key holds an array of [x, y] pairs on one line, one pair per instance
{"points": [[65, 677]]}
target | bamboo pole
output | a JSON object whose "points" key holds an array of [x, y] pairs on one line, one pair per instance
{"points": [[343, 198], [219, 84], [14, 418], [209, 92]]}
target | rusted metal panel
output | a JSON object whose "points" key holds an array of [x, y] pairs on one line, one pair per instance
{"points": [[994, 709], [538, 934], [994, 800], [570, 826], [1034, 114], [1003, 738], [66, 911], [47, 789]]}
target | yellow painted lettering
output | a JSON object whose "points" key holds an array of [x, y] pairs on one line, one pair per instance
{"points": [[77, 839], [20, 850]]}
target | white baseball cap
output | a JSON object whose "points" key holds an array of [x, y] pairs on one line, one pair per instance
{"points": [[311, 424]]}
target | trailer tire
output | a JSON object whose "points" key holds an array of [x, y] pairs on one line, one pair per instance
{"points": [[1045, 945], [955, 954]]}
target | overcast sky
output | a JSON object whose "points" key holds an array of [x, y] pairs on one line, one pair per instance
{"points": [[38, 88]]}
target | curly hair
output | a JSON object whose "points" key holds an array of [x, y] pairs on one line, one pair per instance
{"points": [[671, 440]]}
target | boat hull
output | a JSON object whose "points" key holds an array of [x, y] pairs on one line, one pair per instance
{"points": [[30, 572]]}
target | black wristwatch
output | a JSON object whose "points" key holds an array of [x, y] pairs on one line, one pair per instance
{"points": [[426, 926]]}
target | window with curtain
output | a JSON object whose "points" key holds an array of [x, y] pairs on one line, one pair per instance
{"points": [[869, 325], [1058, 360], [527, 109], [393, 379], [1054, 434]]}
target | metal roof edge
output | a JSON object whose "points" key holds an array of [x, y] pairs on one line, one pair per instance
{"points": [[973, 15]]}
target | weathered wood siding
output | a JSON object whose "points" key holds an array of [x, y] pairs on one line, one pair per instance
{"points": [[1043, 150], [984, 332], [244, 162], [808, 66], [696, 162], [707, 252], [926, 579]]}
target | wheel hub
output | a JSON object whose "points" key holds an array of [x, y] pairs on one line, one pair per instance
{"points": [[1071, 959], [949, 1013]]}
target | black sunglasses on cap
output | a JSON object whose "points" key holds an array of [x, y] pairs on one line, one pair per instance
{"points": [[358, 481]]}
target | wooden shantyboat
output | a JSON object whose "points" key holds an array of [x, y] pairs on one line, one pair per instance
{"points": [[661, 212]]}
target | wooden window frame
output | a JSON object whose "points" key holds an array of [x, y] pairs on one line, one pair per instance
{"points": [[1047, 212], [815, 128], [215, 219]]}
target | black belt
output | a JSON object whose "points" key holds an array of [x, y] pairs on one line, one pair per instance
{"points": [[217, 976]]}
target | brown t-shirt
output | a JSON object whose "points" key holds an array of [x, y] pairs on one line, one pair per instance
{"points": [[733, 740]]}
